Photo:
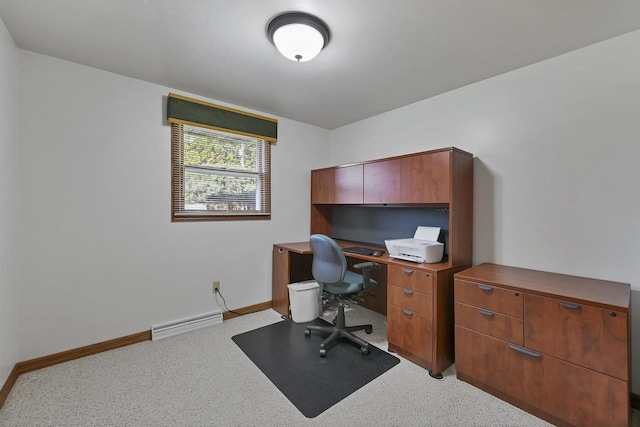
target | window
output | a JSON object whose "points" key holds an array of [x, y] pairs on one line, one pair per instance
{"points": [[220, 162], [219, 175]]}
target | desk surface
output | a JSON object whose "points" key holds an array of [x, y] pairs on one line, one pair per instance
{"points": [[305, 248]]}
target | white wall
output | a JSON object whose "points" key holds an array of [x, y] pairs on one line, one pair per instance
{"points": [[557, 168], [557, 155], [8, 201], [99, 257]]}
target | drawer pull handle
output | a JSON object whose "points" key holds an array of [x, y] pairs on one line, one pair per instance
{"points": [[407, 312], [485, 287], [569, 305], [280, 250], [408, 291], [613, 314], [486, 313], [524, 351], [408, 271]]}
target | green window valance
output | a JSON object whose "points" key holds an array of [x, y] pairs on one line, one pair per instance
{"points": [[184, 110]]}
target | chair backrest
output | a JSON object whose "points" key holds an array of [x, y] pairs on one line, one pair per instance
{"points": [[329, 263]]}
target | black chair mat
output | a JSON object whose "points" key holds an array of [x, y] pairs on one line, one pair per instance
{"points": [[312, 383]]}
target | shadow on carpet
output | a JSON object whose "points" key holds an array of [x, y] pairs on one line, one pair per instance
{"points": [[312, 383]]}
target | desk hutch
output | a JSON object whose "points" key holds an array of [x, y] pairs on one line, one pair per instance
{"points": [[417, 298]]}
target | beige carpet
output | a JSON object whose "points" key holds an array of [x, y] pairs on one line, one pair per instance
{"points": [[203, 379]]}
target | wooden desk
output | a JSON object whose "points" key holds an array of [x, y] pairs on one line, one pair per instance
{"points": [[417, 299]]}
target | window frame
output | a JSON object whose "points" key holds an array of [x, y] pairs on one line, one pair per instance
{"points": [[178, 168]]}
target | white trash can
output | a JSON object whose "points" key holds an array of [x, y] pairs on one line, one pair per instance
{"points": [[303, 297]]}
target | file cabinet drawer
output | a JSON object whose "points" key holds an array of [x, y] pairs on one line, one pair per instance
{"points": [[488, 322], [410, 331], [599, 400], [579, 333], [498, 300], [412, 300], [417, 280]]}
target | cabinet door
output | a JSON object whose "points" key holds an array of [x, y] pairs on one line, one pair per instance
{"points": [[426, 178], [582, 334], [348, 185], [323, 186], [382, 182], [410, 331]]}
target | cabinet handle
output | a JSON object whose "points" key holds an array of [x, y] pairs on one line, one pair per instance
{"points": [[280, 250], [613, 314], [408, 271], [524, 351], [485, 312], [485, 287], [407, 312], [408, 291], [569, 305]]}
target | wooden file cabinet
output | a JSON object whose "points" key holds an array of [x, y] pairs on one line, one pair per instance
{"points": [[554, 345]]}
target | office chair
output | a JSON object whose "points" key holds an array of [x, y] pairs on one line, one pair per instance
{"points": [[329, 269]]}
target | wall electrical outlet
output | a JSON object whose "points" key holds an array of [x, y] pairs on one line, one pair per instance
{"points": [[216, 286]]}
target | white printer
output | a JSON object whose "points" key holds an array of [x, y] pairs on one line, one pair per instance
{"points": [[424, 247]]}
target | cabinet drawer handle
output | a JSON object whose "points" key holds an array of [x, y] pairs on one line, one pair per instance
{"points": [[569, 305], [485, 287], [280, 250], [486, 313], [407, 291], [407, 312], [408, 271], [524, 351]]}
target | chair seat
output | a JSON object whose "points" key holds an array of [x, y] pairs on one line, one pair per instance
{"points": [[351, 284]]}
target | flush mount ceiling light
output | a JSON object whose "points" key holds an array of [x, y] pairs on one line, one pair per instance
{"points": [[298, 36]]}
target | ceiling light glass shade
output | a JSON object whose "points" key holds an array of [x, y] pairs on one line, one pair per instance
{"points": [[298, 42], [298, 36]]}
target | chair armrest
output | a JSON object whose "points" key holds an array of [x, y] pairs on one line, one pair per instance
{"points": [[366, 268], [369, 265]]}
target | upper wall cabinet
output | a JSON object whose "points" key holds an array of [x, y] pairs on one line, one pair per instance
{"points": [[414, 179], [437, 177], [382, 181], [426, 178], [340, 185]]}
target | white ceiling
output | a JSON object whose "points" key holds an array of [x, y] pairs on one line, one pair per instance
{"points": [[383, 54]]}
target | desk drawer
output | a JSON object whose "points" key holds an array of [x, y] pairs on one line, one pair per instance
{"points": [[490, 298], [415, 301], [490, 323], [417, 280], [410, 331]]}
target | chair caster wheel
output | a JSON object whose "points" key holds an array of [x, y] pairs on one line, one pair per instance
{"points": [[364, 351], [307, 333], [323, 352], [368, 330]]}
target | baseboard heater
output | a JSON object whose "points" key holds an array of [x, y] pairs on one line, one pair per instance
{"points": [[170, 329]]}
